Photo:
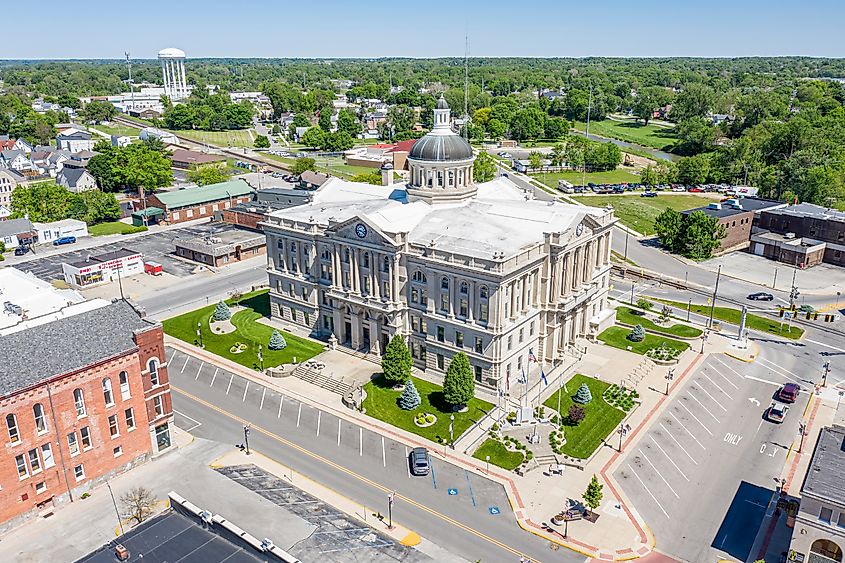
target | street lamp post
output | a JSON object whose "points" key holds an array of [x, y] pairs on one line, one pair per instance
{"points": [[689, 308], [632, 292], [116, 511], [669, 377], [246, 438], [260, 358], [390, 510], [488, 464], [826, 371], [715, 293], [802, 428], [199, 334], [621, 433], [452, 431]]}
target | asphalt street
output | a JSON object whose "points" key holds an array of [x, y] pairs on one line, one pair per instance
{"points": [[464, 513]]}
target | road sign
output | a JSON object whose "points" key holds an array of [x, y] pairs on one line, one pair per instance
{"points": [[787, 314], [494, 510], [453, 492]]}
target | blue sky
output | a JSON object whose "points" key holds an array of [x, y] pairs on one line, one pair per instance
{"points": [[431, 28]]}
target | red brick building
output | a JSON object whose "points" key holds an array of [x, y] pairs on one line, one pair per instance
{"points": [[81, 399], [177, 206]]}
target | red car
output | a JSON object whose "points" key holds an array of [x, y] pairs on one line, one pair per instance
{"points": [[695, 190], [789, 392]]}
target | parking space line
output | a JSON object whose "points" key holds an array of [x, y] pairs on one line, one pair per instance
{"points": [[360, 441], [230, 383], [338, 432], [471, 494], [730, 368], [659, 474], [407, 462], [433, 478], [702, 406], [720, 374], [245, 390], [678, 443], [263, 392], [718, 404], [660, 506], [213, 377], [198, 371], [281, 402], [298, 415], [383, 456], [173, 355], [318, 422], [197, 422], [185, 364], [686, 429], [716, 385], [669, 458]]}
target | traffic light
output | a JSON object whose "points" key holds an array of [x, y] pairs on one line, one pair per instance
{"points": [[828, 318], [809, 316], [815, 316], [782, 312]]}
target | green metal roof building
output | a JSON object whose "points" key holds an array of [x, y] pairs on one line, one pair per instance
{"points": [[194, 203]]}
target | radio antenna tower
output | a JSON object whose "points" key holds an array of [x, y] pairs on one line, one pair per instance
{"points": [[466, 86], [131, 84]]}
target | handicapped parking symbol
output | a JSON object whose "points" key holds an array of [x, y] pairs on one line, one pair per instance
{"points": [[453, 492], [494, 510]]}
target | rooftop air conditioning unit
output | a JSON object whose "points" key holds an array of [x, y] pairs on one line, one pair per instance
{"points": [[789, 236]]}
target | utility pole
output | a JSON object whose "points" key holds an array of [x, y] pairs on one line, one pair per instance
{"points": [[116, 511], [626, 244], [793, 292], [587, 134], [715, 292], [689, 307], [621, 434], [131, 84]]}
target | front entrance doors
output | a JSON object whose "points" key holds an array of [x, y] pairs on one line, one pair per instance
{"points": [[347, 332], [366, 343]]}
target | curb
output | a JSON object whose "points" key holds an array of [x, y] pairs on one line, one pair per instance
{"points": [[750, 359]]}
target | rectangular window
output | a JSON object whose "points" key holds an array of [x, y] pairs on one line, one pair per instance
{"points": [[841, 521], [478, 373], [415, 295], [415, 324], [79, 472], [47, 455], [124, 385], [130, 419], [440, 361], [118, 451], [479, 344], [158, 405], [40, 487], [482, 312], [72, 444], [303, 292], [510, 342], [12, 424], [114, 431], [825, 515], [459, 339], [508, 370], [423, 326], [521, 335], [291, 290], [34, 461], [20, 461], [85, 438], [519, 362], [444, 302], [531, 329], [464, 308], [441, 334]]}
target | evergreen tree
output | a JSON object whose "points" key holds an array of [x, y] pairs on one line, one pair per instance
{"points": [[637, 334], [459, 385], [221, 312], [593, 495], [396, 362], [410, 398], [277, 341], [583, 395]]}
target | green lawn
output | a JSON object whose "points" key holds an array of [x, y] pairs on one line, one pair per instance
{"points": [[499, 454], [250, 332], [616, 336], [617, 176], [732, 316], [114, 228], [630, 316], [651, 135], [381, 403], [599, 421], [117, 129], [231, 138], [638, 212]]}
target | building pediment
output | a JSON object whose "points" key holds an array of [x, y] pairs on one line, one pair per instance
{"points": [[361, 230]]}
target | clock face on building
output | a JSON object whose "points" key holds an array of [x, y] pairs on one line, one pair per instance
{"points": [[361, 230], [579, 229]]}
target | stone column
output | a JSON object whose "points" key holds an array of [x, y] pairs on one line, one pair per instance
{"points": [[523, 293], [337, 279], [394, 279], [453, 293], [471, 297]]}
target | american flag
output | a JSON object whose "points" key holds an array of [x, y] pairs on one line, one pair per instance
{"points": [[531, 356]]}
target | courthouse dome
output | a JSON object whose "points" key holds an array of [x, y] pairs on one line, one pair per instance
{"points": [[441, 144]]}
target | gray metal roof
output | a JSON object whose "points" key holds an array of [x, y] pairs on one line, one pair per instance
{"points": [[11, 227], [810, 210], [824, 476], [65, 345], [441, 148]]}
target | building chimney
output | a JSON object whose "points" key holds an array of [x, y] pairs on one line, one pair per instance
{"points": [[387, 174]]}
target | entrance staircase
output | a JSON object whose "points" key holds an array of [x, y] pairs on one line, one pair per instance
{"points": [[318, 378]]}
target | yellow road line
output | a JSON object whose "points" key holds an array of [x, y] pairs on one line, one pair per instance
{"points": [[348, 472]]}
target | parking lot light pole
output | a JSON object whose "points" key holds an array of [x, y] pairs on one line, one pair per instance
{"points": [[246, 438]]}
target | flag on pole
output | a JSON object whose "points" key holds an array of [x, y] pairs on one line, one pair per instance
{"points": [[508, 382], [450, 427], [522, 378], [543, 377], [531, 356]]}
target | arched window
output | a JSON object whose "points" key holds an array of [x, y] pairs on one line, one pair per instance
{"points": [[444, 283], [108, 396], [123, 380], [419, 277], [40, 419], [482, 292], [827, 548], [464, 288], [79, 402], [386, 265], [12, 426], [153, 366]]}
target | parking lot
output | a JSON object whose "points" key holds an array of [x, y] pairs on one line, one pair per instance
{"points": [[705, 469], [154, 247]]}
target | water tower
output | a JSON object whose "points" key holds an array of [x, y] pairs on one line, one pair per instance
{"points": [[173, 73]]}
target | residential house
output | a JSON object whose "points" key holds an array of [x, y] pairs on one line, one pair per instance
{"points": [[17, 232], [79, 159], [48, 232], [23, 146], [76, 179], [15, 160], [74, 140], [164, 136], [310, 180], [186, 159], [120, 140], [8, 183], [148, 113], [6, 144]]}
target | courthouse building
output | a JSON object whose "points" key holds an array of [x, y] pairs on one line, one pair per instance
{"points": [[450, 264]]}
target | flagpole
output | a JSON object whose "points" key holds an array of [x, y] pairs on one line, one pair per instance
{"points": [[559, 385]]}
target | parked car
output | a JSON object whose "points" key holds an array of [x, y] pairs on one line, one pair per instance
{"points": [[420, 463], [695, 189], [21, 250], [761, 296], [777, 412], [648, 194], [789, 392], [64, 240]]}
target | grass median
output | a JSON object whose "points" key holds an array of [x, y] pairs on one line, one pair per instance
{"points": [[382, 403], [249, 332], [634, 317], [732, 316], [114, 228], [617, 336]]}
